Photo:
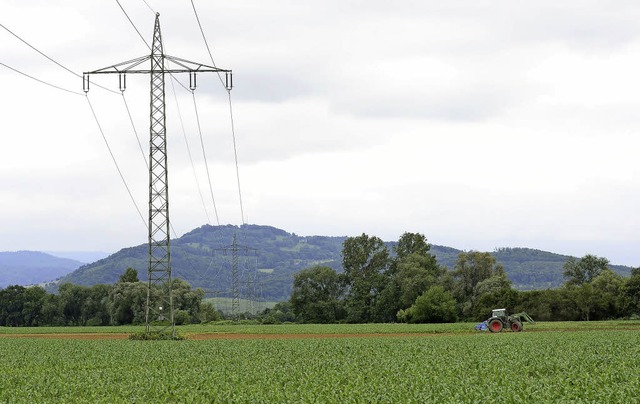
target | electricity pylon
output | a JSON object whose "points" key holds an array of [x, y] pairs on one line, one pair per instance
{"points": [[159, 306], [237, 252]]}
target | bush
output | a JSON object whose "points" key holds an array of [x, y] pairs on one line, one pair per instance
{"points": [[436, 305], [181, 317]]}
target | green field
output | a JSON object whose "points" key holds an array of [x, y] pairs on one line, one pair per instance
{"points": [[555, 362]]}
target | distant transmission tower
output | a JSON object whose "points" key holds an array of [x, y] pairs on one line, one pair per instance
{"points": [[159, 306], [235, 278], [239, 254]]}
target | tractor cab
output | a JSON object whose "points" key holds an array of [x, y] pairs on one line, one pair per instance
{"points": [[500, 320]]}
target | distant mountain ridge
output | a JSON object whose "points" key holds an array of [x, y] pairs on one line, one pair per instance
{"points": [[32, 267], [85, 257], [202, 257]]}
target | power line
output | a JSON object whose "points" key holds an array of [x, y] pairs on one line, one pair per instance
{"points": [[49, 58], [144, 40], [215, 209], [35, 49], [134, 130], [114, 161], [233, 132], [193, 168], [40, 81], [179, 114], [207, 44], [181, 121], [134, 25], [152, 10], [235, 154]]}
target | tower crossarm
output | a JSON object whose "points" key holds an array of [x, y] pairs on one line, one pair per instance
{"points": [[134, 66]]}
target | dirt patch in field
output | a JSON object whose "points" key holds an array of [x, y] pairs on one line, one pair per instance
{"points": [[87, 336], [209, 336], [241, 336], [218, 336]]}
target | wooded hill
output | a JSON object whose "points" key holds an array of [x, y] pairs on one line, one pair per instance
{"points": [[203, 258]]}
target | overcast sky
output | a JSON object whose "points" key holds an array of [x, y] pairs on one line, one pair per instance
{"points": [[481, 124]]}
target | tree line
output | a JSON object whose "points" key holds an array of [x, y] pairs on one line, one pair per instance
{"points": [[117, 304], [408, 285], [405, 284]]}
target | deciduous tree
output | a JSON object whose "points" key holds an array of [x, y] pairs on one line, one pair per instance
{"points": [[316, 296], [364, 260], [471, 269], [578, 272]]}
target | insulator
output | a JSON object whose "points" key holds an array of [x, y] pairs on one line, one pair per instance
{"points": [[192, 80], [229, 80], [85, 83], [123, 81]]}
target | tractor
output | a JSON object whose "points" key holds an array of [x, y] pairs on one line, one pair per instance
{"points": [[500, 320]]}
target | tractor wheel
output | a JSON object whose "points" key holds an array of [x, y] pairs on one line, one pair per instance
{"points": [[495, 325], [516, 326]]}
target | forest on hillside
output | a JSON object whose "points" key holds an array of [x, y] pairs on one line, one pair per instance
{"points": [[377, 284], [270, 257]]}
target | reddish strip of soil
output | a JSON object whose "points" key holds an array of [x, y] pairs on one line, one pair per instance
{"points": [[241, 336], [208, 336], [216, 336], [88, 336]]}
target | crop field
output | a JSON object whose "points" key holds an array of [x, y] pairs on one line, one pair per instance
{"points": [[555, 362]]}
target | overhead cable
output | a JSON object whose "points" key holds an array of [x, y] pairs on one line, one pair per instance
{"points": [[40, 81], [233, 133], [49, 58], [235, 155], [215, 209], [207, 45], [152, 10], [133, 25], [144, 40], [193, 168], [115, 162], [144, 157]]}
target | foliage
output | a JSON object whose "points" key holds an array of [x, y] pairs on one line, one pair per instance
{"points": [[129, 275], [411, 243], [631, 290], [476, 273], [412, 271], [316, 295], [578, 272], [436, 305], [280, 313], [198, 257], [365, 260], [121, 303], [380, 288]]}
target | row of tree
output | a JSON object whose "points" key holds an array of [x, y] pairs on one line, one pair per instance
{"points": [[376, 285], [408, 285], [121, 303]]}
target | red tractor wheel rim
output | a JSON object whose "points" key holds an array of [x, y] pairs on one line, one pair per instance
{"points": [[496, 326]]}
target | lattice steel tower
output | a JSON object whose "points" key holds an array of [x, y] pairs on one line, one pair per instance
{"points": [[159, 304]]}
